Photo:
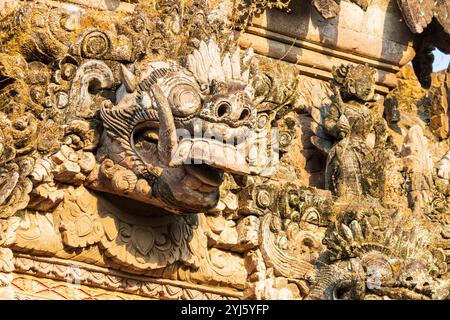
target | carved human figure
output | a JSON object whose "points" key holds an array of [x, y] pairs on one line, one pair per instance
{"points": [[349, 121]]}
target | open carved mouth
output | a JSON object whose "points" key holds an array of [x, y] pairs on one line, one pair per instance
{"points": [[195, 166], [203, 178], [196, 170], [213, 153]]}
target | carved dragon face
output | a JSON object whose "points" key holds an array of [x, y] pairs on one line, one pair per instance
{"points": [[382, 259], [356, 81], [179, 129], [378, 276]]}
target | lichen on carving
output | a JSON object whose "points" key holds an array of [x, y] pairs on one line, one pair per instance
{"points": [[142, 147]]}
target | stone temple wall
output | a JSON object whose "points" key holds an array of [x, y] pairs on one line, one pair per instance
{"points": [[193, 149]]}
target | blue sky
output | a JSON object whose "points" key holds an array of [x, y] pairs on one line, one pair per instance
{"points": [[441, 61]]}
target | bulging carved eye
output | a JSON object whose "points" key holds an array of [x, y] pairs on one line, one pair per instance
{"points": [[185, 100]]}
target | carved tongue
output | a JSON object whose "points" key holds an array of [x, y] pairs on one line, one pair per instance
{"points": [[213, 153], [205, 174]]}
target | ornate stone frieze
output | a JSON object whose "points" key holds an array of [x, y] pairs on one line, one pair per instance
{"points": [[77, 275], [154, 149]]}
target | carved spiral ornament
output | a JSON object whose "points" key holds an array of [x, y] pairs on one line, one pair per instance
{"points": [[95, 45], [263, 199], [185, 100]]}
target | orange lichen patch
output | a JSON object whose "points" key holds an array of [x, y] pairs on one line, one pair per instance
{"points": [[101, 20], [244, 10], [408, 92]]}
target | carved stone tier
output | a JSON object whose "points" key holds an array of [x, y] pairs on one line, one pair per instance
{"points": [[76, 280], [376, 36]]}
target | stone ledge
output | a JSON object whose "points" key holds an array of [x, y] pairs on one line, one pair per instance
{"points": [[108, 279]]}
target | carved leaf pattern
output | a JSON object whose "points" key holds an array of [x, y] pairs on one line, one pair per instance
{"points": [[78, 219], [145, 248]]}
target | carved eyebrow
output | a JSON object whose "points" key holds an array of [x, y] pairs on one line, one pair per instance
{"points": [[153, 77]]}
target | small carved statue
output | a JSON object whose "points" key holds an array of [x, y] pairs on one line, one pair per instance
{"points": [[349, 121]]}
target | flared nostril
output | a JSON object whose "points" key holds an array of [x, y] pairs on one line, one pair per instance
{"points": [[223, 110], [245, 114]]}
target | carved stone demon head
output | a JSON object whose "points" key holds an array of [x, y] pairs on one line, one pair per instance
{"points": [[355, 81], [177, 130], [381, 255]]}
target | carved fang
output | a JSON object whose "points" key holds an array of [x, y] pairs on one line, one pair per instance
{"points": [[167, 132], [128, 79]]}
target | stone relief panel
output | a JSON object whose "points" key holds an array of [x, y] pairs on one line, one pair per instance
{"points": [[143, 147]]}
